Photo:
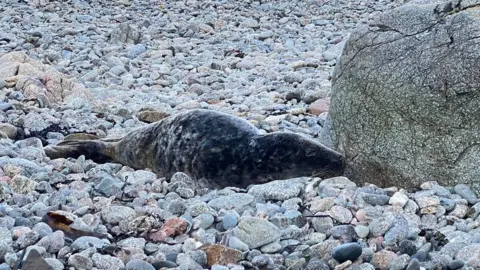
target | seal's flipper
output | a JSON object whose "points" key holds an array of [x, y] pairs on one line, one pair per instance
{"points": [[95, 150]]}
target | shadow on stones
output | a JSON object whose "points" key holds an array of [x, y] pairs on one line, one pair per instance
{"points": [[42, 134]]}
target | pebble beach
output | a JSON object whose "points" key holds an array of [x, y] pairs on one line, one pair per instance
{"points": [[109, 67]]}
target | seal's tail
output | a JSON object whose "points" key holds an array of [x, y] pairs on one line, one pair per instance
{"points": [[96, 150]]}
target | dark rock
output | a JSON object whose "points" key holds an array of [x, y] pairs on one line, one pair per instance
{"points": [[375, 199], [164, 264], [345, 252], [407, 247], [344, 232]]}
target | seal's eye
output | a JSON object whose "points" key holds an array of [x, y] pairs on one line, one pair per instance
{"points": [[310, 153]]}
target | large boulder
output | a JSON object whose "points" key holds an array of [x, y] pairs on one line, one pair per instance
{"points": [[405, 105]]}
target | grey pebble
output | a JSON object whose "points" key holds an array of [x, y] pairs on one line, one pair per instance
{"points": [[85, 242], [465, 192], [317, 264], [4, 105], [219, 267], [80, 261], [234, 201], [203, 221], [230, 220], [138, 265], [236, 243], [421, 255], [346, 233], [456, 264], [136, 50], [278, 190], [449, 204], [261, 260], [376, 199], [413, 265], [256, 232]]}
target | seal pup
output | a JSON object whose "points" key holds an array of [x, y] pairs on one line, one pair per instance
{"points": [[212, 147]]}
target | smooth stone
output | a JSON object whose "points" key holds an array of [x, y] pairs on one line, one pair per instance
{"points": [[340, 182], [80, 261], [413, 265], [164, 264], [107, 262], [400, 263], [9, 129], [261, 260], [362, 231], [456, 264], [109, 186], [272, 247], [279, 190], [348, 251], [317, 264], [219, 267], [236, 243], [398, 232], [470, 254], [85, 242], [230, 220], [465, 192], [132, 242], [203, 221], [245, 64], [138, 265], [421, 255], [234, 201], [256, 232], [5, 106], [398, 199], [382, 258], [376, 199], [114, 214], [447, 203], [344, 232], [341, 214], [135, 51]]}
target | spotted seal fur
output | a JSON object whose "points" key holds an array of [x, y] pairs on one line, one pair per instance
{"points": [[218, 148]]}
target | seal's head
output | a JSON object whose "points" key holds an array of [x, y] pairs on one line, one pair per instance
{"points": [[284, 155]]}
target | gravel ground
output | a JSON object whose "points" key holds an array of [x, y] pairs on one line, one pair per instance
{"points": [[107, 67]]}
